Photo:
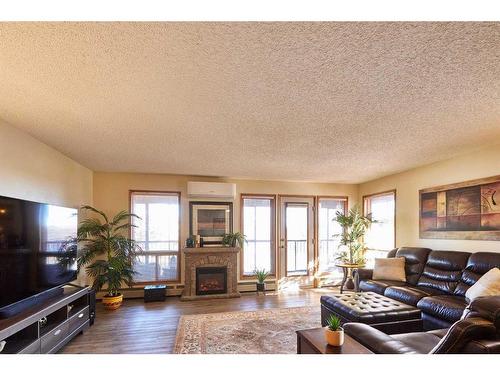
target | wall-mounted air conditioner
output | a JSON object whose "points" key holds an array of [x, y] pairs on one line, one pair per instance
{"points": [[211, 190]]}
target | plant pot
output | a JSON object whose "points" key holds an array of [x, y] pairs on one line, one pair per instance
{"points": [[112, 303], [334, 338], [261, 287]]}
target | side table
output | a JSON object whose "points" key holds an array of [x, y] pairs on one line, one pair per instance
{"points": [[312, 341], [347, 281]]}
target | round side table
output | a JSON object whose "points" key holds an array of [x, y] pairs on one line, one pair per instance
{"points": [[347, 281]]}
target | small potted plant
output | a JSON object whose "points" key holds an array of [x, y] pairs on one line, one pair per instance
{"points": [[261, 279], [334, 333], [236, 239]]}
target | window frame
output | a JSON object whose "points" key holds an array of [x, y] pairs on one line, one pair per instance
{"points": [[374, 195], [273, 199], [345, 200], [158, 253]]}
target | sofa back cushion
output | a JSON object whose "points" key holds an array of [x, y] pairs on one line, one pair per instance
{"points": [[415, 259], [477, 265], [443, 270]]}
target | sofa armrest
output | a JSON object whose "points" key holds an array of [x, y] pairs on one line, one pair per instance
{"points": [[363, 273], [462, 332], [488, 308], [375, 340]]}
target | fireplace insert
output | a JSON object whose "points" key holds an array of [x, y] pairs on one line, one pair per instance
{"points": [[211, 280]]}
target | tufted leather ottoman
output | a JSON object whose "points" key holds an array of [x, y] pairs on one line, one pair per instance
{"points": [[388, 315]]}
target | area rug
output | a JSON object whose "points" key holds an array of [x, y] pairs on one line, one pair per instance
{"points": [[245, 332]]}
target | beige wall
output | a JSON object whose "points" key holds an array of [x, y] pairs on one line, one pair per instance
{"points": [[31, 170], [480, 164], [111, 191]]}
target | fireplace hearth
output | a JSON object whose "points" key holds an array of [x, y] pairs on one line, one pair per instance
{"points": [[211, 280]]}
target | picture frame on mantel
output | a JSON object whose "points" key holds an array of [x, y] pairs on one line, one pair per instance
{"points": [[467, 210], [210, 220]]}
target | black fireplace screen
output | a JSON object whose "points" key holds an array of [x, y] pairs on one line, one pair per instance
{"points": [[211, 280]]}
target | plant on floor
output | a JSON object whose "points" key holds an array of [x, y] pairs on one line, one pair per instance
{"points": [[261, 275], [261, 278], [334, 334], [354, 226], [106, 252], [236, 239]]}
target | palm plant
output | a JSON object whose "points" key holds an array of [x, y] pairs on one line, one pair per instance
{"points": [[354, 226], [106, 252], [234, 239]]}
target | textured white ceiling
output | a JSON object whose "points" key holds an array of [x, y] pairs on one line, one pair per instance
{"points": [[333, 102]]}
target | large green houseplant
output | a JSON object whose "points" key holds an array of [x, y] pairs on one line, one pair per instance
{"points": [[107, 253], [354, 226]]}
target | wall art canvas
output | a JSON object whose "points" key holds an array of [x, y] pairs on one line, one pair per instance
{"points": [[211, 220], [467, 211]]}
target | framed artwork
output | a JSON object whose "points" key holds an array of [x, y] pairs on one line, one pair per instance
{"points": [[210, 220], [465, 211]]}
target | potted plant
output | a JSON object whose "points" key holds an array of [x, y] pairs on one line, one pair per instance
{"points": [[236, 239], [334, 333], [107, 253], [261, 279], [354, 226]]}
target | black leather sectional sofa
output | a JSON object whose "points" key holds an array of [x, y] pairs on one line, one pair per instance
{"points": [[436, 282]]}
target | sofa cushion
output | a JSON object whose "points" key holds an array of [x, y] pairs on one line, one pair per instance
{"points": [[409, 294], [389, 269], [443, 270], [446, 307], [487, 285], [378, 286], [415, 258], [477, 265]]}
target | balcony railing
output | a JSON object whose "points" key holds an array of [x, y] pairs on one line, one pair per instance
{"points": [[296, 256]]}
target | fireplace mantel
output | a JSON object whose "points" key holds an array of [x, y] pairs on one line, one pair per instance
{"points": [[200, 257]]}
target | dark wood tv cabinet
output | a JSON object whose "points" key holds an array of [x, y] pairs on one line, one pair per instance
{"points": [[47, 327]]}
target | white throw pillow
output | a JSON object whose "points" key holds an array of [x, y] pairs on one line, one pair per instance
{"points": [[487, 285], [389, 269]]}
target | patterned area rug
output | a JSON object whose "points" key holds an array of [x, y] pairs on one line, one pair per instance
{"points": [[245, 332]]}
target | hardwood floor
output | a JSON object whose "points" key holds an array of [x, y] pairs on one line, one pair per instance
{"points": [[139, 327]]}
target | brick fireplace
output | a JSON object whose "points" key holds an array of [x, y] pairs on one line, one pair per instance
{"points": [[210, 272]]}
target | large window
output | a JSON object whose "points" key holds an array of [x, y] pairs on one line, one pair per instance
{"points": [[381, 234], [328, 233], [157, 233], [258, 223]]}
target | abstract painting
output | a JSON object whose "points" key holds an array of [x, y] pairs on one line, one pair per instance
{"points": [[468, 211], [211, 220]]}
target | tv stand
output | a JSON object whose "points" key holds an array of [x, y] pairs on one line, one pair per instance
{"points": [[19, 307], [48, 326]]}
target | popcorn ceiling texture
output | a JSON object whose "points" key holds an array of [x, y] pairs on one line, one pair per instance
{"points": [[330, 102]]}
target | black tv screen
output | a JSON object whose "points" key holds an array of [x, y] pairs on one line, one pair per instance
{"points": [[33, 259]]}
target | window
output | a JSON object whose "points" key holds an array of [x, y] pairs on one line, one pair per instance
{"points": [[381, 234], [258, 223], [328, 233], [157, 233]]}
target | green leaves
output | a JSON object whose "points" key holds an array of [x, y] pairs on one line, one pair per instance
{"points": [[333, 322], [354, 226], [261, 275], [105, 251], [234, 239]]}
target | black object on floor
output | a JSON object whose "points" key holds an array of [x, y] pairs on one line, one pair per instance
{"points": [[155, 293]]}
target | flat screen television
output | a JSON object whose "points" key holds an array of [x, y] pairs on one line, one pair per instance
{"points": [[33, 260]]}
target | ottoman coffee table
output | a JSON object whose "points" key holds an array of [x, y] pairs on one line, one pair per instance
{"points": [[388, 315]]}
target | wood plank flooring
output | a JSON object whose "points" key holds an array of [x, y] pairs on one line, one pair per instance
{"points": [[139, 327]]}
